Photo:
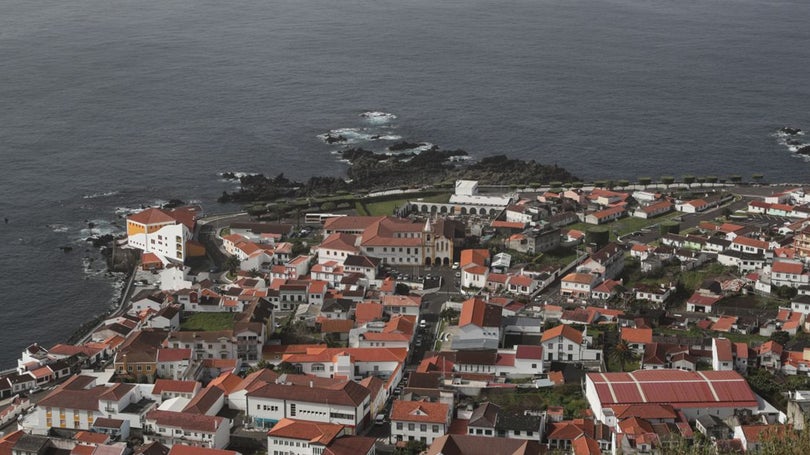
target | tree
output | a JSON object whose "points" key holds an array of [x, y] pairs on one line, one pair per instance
{"points": [[411, 448], [449, 314], [644, 181], [328, 206], [757, 177], [232, 264], [711, 179], [735, 178], [689, 180], [667, 180], [624, 183], [622, 353], [781, 337], [285, 368], [785, 292], [402, 289]]}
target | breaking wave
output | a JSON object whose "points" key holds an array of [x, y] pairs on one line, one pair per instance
{"points": [[378, 117], [98, 195]]}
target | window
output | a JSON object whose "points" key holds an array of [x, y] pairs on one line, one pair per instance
{"points": [[292, 409], [423, 427], [399, 425], [435, 428], [411, 426]]}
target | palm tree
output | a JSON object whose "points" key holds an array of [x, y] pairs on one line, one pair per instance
{"points": [[232, 264], [622, 353]]}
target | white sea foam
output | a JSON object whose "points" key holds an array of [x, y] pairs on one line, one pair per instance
{"points": [[100, 228], [423, 146], [98, 195], [58, 227], [349, 136], [236, 175], [378, 117]]}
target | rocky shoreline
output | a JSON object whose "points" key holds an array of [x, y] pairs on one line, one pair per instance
{"points": [[370, 171]]}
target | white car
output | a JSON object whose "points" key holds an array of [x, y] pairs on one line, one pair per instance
{"points": [[455, 265]]}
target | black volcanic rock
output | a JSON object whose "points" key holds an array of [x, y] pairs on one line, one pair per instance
{"points": [[789, 130], [331, 139], [400, 146]]}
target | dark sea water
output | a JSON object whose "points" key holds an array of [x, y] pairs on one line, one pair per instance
{"points": [[110, 104]]}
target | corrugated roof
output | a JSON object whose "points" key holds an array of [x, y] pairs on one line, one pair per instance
{"points": [[678, 388]]}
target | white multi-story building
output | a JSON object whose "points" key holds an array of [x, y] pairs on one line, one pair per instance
{"points": [[419, 420], [78, 402], [352, 363], [298, 437], [161, 232], [564, 343], [317, 400], [789, 273], [170, 428], [206, 345]]}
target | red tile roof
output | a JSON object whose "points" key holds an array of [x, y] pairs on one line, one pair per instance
{"points": [[419, 411], [703, 300], [477, 312], [637, 335], [476, 256], [170, 385], [529, 352], [92, 438], [179, 449], [185, 420], [724, 323], [580, 278], [507, 224], [563, 330], [795, 268], [748, 241], [152, 216], [770, 346], [402, 300], [723, 349], [173, 355], [311, 432]]}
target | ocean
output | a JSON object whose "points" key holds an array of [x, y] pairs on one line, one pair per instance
{"points": [[113, 105]]}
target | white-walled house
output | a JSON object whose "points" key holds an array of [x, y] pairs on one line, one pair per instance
{"points": [[564, 343], [78, 402], [352, 363], [345, 403], [419, 420], [170, 428]]}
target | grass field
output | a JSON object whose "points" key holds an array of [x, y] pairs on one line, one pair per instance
{"points": [[208, 322], [387, 207]]}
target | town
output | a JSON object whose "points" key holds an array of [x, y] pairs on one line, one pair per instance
{"points": [[573, 318]]}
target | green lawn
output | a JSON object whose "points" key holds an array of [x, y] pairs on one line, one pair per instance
{"points": [[208, 322], [561, 255], [569, 396], [387, 207]]}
